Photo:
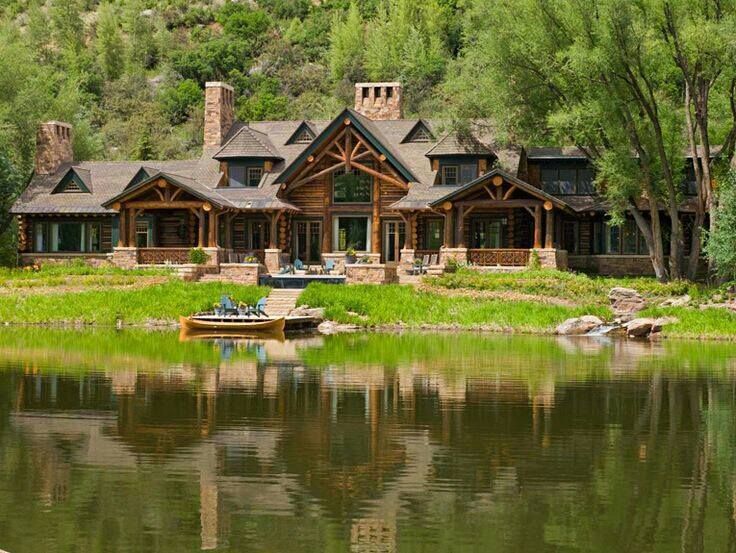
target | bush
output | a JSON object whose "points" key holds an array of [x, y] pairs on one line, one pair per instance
{"points": [[198, 256], [534, 262]]}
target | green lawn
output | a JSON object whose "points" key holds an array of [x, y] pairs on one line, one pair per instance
{"points": [[160, 302], [714, 323], [369, 305]]}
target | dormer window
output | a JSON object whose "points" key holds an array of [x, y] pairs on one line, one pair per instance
{"points": [[449, 174], [71, 183], [244, 174], [304, 137], [419, 133], [458, 172]]}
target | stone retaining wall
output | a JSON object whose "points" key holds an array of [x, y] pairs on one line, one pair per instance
{"points": [[241, 273], [553, 259], [370, 273], [93, 260], [621, 265]]}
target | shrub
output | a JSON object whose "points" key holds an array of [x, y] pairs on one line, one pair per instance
{"points": [[198, 256], [534, 263]]}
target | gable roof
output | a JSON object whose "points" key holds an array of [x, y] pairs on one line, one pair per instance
{"points": [[304, 126], [80, 176], [248, 142], [525, 186], [364, 126], [185, 183], [459, 145], [419, 126]]}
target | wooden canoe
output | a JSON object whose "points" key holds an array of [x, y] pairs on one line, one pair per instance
{"points": [[237, 325]]}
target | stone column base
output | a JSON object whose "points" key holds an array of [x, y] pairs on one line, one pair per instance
{"points": [[213, 256], [271, 259], [125, 258], [458, 254], [339, 259], [406, 260], [552, 258]]}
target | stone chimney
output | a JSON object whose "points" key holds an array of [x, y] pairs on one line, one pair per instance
{"points": [[379, 101], [218, 113], [53, 147]]}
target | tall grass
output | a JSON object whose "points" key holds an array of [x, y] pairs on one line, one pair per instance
{"points": [[369, 305], [711, 323], [160, 302], [573, 286]]}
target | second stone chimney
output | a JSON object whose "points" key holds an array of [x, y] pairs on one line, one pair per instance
{"points": [[379, 101], [53, 147], [218, 113]]}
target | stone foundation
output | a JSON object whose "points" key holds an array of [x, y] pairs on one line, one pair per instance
{"points": [[552, 259], [406, 261], [241, 273], [622, 265], [370, 273], [458, 254], [213, 256], [91, 259], [272, 260], [125, 258]]}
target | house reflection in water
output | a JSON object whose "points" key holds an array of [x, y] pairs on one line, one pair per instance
{"points": [[284, 434]]}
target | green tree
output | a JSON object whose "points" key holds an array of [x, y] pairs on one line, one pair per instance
{"points": [[110, 46], [178, 101], [347, 46], [721, 244]]}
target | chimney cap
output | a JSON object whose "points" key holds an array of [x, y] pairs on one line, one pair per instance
{"points": [[393, 84], [218, 84], [57, 123]]}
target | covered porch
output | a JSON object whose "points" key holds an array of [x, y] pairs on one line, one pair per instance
{"points": [[494, 221]]}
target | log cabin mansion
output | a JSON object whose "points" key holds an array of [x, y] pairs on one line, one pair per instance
{"points": [[369, 180]]}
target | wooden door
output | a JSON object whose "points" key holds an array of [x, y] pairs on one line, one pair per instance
{"points": [[308, 241]]}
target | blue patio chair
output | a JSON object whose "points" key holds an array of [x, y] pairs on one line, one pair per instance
{"points": [[329, 266], [298, 264], [228, 305], [260, 308]]}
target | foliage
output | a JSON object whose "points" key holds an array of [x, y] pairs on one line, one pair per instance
{"points": [[198, 256], [721, 244]]}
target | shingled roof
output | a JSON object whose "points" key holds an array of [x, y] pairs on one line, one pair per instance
{"points": [[454, 144], [248, 143]]}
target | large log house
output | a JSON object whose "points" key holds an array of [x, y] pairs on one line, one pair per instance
{"points": [[368, 179]]}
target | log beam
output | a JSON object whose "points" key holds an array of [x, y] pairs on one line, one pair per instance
{"points": [[549, 230], [538, 226]]}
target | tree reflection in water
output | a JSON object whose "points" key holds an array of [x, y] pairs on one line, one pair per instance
{"points": [[134, 442]]}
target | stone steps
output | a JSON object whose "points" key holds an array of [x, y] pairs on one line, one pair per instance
{"points": [[281, 301]]}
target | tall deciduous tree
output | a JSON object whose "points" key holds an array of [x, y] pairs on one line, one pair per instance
{"points": [[347, 46], [110, 45]]}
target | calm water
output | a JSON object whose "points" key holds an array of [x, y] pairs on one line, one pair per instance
{"points": [[135, 442]]}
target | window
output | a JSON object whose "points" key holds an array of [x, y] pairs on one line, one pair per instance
{"points": [[468, 172], [366, 92], [619, 240], [351, 188], [433, 231], [570, 236], [488, 232], [352, 232], [142, 235], [242, 175], [690, 184], [419, 133], [389, 92], [449, 174], [630, 234], [304, 137], [567, 179], [377, 92], [67, 237], [254, 176]]}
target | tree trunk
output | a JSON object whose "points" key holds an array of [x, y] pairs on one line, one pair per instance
{"points": [[652, 233], [701, 167]]}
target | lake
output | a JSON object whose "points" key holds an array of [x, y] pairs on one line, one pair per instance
{"points": [[136, 442]]}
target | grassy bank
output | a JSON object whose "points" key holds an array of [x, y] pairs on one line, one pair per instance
{"points": [[161, 303], [369, 306]]}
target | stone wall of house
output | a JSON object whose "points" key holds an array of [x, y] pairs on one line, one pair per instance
{"points": [[219, 113], [53, 147], [91, 259], [620, 265], [370, 273], [379, 101], [125, 258], [553, 259]]}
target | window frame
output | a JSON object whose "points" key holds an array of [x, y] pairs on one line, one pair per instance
{"points": [[336, 232], [582, 171], [249, 179], [238, 166], [358, 173], [443, 174]]}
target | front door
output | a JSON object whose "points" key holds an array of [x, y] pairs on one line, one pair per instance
{"points": [[308, 241], [488, 232], [394, 234]]}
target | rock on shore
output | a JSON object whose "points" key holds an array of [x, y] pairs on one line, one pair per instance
{"points": [[578, 325], [625, 302]]}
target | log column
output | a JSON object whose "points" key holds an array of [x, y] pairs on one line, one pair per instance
{"points": [[549, 230], [122, 229], [376, 223], [460, 228], [131, 228], [273, 231], [449, 234], [537, 227], [212, 238], [201, 235]]}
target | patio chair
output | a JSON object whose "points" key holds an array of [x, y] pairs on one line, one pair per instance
{"points": [[298, 264], [228, 305], [433, 259], [260, 308], [328, 267]]}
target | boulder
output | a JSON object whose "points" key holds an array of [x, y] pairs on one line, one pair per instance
{"points": [[677, 302], [662, 321], [578, 325], [639, 328], [331, 327], [625, 301], [306, 311]]}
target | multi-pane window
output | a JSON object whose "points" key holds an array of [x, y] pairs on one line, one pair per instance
{"points": [[304, 137], [433, 231], [351, 232], [242, 175], [67, 237], [351, 188], [449, 174], [567, 179], [461, 173], [421, 134], [625, 239]]}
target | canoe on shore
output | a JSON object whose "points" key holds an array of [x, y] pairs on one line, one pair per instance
{"points": [[233, 324]]}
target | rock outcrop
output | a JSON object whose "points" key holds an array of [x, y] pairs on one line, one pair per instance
{"points": [[578, 325], [625, 302]]}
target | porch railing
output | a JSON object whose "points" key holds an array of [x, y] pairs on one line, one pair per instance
{"points": [[161, 256], [419, 254], [503, 257], [239, 256]]}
